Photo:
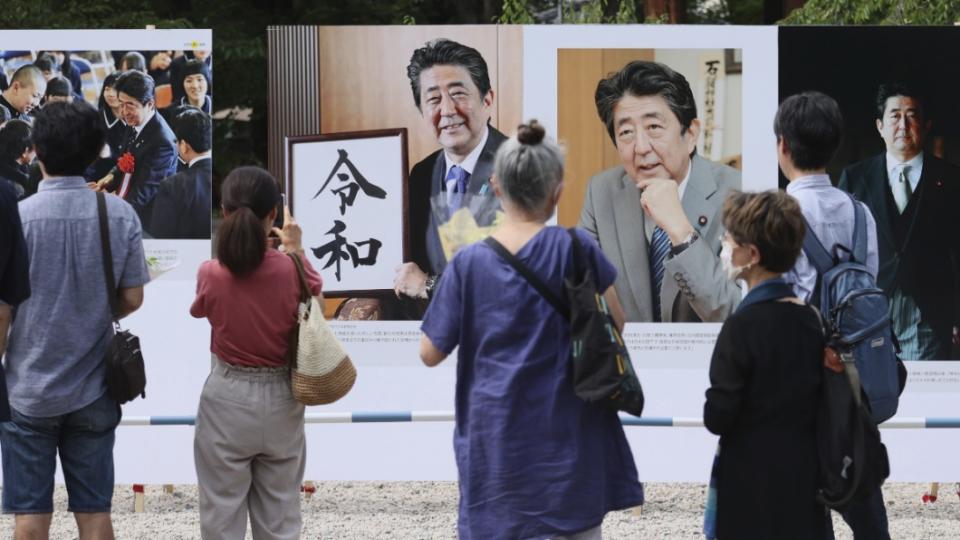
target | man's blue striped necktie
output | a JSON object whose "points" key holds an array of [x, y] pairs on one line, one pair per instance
{"points": [[458, 174], [659, 247]]}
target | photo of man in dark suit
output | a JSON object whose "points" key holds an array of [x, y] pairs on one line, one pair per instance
{"points": [[452, 91], [181, 208], [656, 215], [914, 197], [149, 141]]}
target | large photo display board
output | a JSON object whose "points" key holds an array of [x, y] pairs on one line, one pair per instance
{"points": [[737, 76], [551, 73], [174, 207]]}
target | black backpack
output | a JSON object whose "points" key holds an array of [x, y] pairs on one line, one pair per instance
{"points": [[853, 461], [600, 362]]}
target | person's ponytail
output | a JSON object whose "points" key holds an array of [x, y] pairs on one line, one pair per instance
{"points": [[249, 194], [241, 242]]}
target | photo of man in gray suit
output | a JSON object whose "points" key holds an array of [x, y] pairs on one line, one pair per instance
{"points": [[656, 215]]}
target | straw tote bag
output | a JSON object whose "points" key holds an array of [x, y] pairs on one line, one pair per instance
{"points": [[320, 370]]}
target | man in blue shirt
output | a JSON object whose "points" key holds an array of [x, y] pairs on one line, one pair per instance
{"points": [[59, 338], [809, 127]]}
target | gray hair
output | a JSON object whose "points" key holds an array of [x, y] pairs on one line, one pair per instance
{"points": [[529, 167]]}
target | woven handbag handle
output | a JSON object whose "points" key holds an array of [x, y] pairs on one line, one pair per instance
{"points": [[293, 342], [302, 275]]}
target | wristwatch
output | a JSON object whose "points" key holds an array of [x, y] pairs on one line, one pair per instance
{"points": [[430, 284], [678, 249]]}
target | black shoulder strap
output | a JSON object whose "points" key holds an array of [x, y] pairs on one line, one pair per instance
{"points": [[107, 254], [528, 275], [578, 260]]}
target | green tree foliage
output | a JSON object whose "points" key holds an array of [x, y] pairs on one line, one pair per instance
{"points": [[84, 14], [725, 12], [515, 12], [920, 12], [601, 12]]}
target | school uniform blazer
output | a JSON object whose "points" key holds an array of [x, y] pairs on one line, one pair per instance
{"points": [[182, 208], [695, 287]]}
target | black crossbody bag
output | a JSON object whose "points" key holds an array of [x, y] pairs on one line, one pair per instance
{"points": [[600, 365], [125, 373]]}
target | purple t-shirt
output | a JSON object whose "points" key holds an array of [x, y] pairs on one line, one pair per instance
{"points": [[533, 459]]}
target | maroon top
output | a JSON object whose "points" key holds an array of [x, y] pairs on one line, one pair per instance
{"points": [[251, 317]]}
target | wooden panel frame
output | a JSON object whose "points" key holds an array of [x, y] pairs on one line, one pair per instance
{"points": [[290, 142]]}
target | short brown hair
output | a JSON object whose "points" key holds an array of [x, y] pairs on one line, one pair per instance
{"points": [[770, 220]]}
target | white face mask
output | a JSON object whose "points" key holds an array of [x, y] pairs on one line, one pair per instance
{"points": [[726, 261]]}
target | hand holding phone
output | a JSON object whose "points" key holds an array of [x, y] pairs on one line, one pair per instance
{"points": [[290, 233]]}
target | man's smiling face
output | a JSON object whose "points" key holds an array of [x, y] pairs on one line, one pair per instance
{"points": [[453, 108]]}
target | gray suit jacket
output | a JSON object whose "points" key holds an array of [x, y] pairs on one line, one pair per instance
{"points": [[694, 287]]}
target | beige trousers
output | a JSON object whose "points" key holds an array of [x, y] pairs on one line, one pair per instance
{"points": [[250, 452]]}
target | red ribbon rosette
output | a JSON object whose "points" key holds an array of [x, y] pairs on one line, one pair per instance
{"points": [[125, 164]]}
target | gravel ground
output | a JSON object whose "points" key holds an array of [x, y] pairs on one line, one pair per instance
{"points": [[422, 510]]}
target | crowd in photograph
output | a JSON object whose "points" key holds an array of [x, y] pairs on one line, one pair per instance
{"points": [[156, 109]]}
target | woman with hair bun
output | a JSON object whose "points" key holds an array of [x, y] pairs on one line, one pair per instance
{"points": [[534, 460], [249, 445]]}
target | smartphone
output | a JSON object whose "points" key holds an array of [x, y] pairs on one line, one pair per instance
{"points": [[272, 239], [283, 202]]}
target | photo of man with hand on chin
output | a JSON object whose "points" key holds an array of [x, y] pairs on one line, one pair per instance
{"points": [[656, 215]]}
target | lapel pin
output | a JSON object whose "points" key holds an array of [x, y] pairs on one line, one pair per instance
{"points": [[702, 220], [939, 182]]}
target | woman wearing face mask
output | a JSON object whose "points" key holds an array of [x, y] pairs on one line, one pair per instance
{"points": [[765, 380]]}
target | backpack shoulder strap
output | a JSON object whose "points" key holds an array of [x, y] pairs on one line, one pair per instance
{"points": [[818, 255], [578, 261], [527, 274], [859, 231]]}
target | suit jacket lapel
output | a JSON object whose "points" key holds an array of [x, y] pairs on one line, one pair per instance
{"points": [[484, 167], [631, 237], [876, 190], [698, 201], [438, 260], [924, 195], [147, 133], [697, 196]]}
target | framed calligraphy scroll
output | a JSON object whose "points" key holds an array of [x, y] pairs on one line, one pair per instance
{"points": [[348, 192]]}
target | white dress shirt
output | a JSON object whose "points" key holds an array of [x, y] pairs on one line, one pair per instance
{"points": [[831, 216], [913, 173], [468, 164], [143, 124]]}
